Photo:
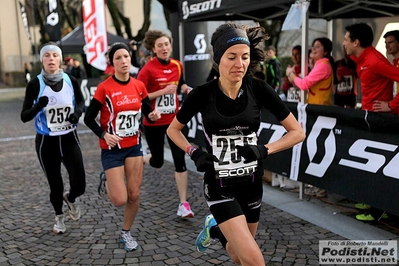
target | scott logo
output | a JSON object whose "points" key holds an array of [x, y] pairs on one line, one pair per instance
{"points": [[200, 43], [363, 153], [320, 169], [363, 149], [199, 7], [373, 161]]}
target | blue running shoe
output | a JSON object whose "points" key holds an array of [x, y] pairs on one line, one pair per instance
{"points": [[204, 239], [102, 189]]}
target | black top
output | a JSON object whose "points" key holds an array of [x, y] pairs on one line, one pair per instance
{"points": [[223, 116]]}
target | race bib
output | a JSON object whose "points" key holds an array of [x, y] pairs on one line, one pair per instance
{"points": [[345, 86], [166, 104], [293, 95], [230, 164], [56, 118], [127, 123]]}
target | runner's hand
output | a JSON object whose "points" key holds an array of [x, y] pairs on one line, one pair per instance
{"points": [[42, 102], [252, 152], [73, 118], [203, 160]]}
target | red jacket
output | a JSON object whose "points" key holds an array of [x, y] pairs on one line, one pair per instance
{"points": [[376, 76]]}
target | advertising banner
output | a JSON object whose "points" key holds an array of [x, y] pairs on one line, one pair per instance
{"points": [[95, 31], [53, 27], [350, 152], [197, 58]]}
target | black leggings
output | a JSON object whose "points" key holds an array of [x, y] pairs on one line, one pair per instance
{"points": [[54, 150], [155, 137]]}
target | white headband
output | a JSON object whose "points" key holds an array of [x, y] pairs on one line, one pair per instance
{"points": [[50, 47]]}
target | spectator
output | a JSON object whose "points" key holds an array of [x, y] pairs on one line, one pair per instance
{"points": [[375, 72], [230, 107], [133, 51], [392, 46], [376, 76], [163, 76], [55, 102], [69, 65], [273, 77], [109, 70], [320, 81], [77, 70], [27, 70], [296, 59], [121, 100], [147, 56], [346, 90], [292, 93]]}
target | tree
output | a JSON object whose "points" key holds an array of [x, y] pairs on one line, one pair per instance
{"points": [[273, 29], [70, 12], [118, 18]]}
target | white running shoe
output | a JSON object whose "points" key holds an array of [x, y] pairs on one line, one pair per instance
{"points": [[185, 211], [73, 208], [128, 241], [59, 226]]}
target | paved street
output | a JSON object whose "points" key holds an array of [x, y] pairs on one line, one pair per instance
{"points": [[27, 217]]}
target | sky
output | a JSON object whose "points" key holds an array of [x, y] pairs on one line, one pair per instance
{"points": [[158, 21]]}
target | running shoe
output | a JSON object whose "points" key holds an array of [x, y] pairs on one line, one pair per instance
{"points": [[59, 226], [365, 217], [102, 189], [362, 206], [204, 239], [73, 208], [128, 241], [184, 210], [369, 218]]}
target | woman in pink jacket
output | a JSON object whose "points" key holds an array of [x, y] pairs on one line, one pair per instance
{"points": [[320, 81]]}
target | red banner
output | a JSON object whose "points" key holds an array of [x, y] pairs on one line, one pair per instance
{"points": [[95, 30]]}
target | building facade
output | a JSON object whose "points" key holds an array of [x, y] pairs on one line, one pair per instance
{"points": [[15, 47]]}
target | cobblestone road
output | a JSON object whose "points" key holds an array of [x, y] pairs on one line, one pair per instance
{"points": [[26, 216]]}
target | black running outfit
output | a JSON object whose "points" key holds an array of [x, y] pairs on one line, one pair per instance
{"points": [[232, 191]]}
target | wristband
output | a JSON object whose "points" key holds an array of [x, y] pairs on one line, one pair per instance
{"points": [[190, 150]]}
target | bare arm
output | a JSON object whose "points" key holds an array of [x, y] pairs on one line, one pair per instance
{"points": [[175, 134], [294, 135]]}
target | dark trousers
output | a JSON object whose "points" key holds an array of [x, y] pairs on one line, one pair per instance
{"points": [[65, 149]]}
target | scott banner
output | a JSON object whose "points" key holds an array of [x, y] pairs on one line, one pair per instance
{"points": [[197, 58], [349, 152]]}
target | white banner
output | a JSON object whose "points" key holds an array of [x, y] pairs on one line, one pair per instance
{"points": [[95, 30]]}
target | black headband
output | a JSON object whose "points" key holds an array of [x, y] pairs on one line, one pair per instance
{"points": [[226, 40], [115, 47]]}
